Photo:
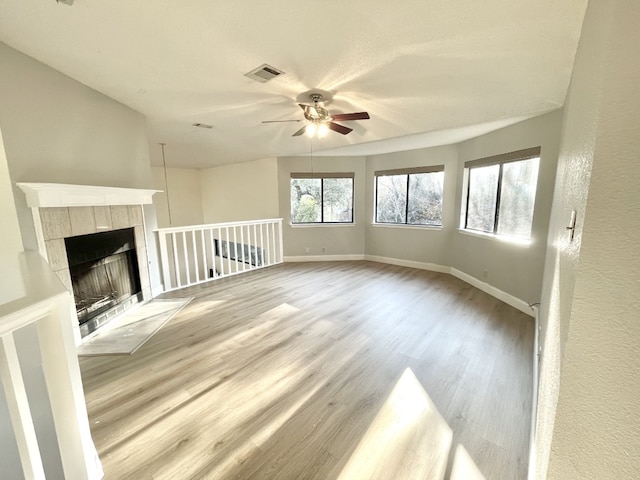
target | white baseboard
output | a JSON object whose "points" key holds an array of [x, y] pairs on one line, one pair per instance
{"points": [[324, 258], [534, 402], [433, 267], [494, 292]]}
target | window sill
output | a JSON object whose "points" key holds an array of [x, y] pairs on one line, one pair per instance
{"points": [[435, 228], [321, 225], [500, 238]]}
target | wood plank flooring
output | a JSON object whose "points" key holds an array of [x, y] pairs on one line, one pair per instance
{"points": [[351, 370]]}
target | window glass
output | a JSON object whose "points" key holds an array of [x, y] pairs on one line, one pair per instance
{"points": [[391, 200], [425, 198], [517, 198], [482, 198], [322, 200], [501, 193], [338, 200], [305, 200]]}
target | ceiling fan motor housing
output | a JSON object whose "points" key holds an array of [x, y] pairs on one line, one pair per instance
{"points": [[316, 113]]}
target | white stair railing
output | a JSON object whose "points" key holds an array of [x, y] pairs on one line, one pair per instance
{"points": [[200, 253], [32, 294]]}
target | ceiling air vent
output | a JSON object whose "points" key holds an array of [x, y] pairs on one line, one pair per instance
{"points": [[264, 73], [202, 125]]}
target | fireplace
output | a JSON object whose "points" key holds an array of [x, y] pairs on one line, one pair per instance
{"points": [[104, 275], [64, 212]]}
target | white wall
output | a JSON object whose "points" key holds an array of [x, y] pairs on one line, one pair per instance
{"points": [[335, 240], [244, 191], [60, 131], [11, 240], [185, 196], [10, 245], [591, 358], [414, 244], [512, 268]]}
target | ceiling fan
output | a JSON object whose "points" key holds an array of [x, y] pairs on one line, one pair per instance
{"points": [[319, 120]]}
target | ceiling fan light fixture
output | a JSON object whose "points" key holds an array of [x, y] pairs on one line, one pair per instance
{"points": [[319, 121], [311, 130], [323, 129]]}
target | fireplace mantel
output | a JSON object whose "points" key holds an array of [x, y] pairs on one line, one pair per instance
{"points": [[64, 195]]}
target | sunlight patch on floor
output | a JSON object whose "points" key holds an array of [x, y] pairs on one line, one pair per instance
{"points": [[463, 466], [271, 388], [269, 321], [261, 437], [407, 439], [199, 308]]}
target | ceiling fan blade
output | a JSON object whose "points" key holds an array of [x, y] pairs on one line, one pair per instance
{"points": [[343, 117], [280, 121], [339, 128], [300, 132]]}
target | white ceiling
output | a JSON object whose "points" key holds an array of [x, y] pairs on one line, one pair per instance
{"points": [[429, 72]]}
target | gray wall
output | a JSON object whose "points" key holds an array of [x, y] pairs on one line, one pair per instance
{"points": [[414, 244], [57, 130], [185, 195], [241, 191], [337, 240], [512, 268], [515, 269]]}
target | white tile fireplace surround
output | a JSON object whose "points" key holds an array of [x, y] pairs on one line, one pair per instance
{"points": [[61, 211]]}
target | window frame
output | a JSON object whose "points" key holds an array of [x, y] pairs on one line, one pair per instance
{"points": [[500, 160], [408, 172], [322, 176]]}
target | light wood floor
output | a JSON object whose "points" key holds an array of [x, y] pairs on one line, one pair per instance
{"points": [[321, 371]]}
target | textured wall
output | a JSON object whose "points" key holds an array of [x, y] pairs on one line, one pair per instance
{"points": [[260, 189], [513, 268], [57, 130], [11, 238], [244, 191], [340, 240], [409, 243], [184, 193], [590, 295]]}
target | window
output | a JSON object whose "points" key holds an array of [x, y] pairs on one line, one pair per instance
{"points": [[411, 196], [322, 198], [500, 193]]}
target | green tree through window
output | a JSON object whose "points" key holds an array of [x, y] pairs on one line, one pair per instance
{"points": [[321, 199], [410, 196]]}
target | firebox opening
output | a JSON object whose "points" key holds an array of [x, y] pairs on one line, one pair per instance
{"points": [[104, 274]]}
